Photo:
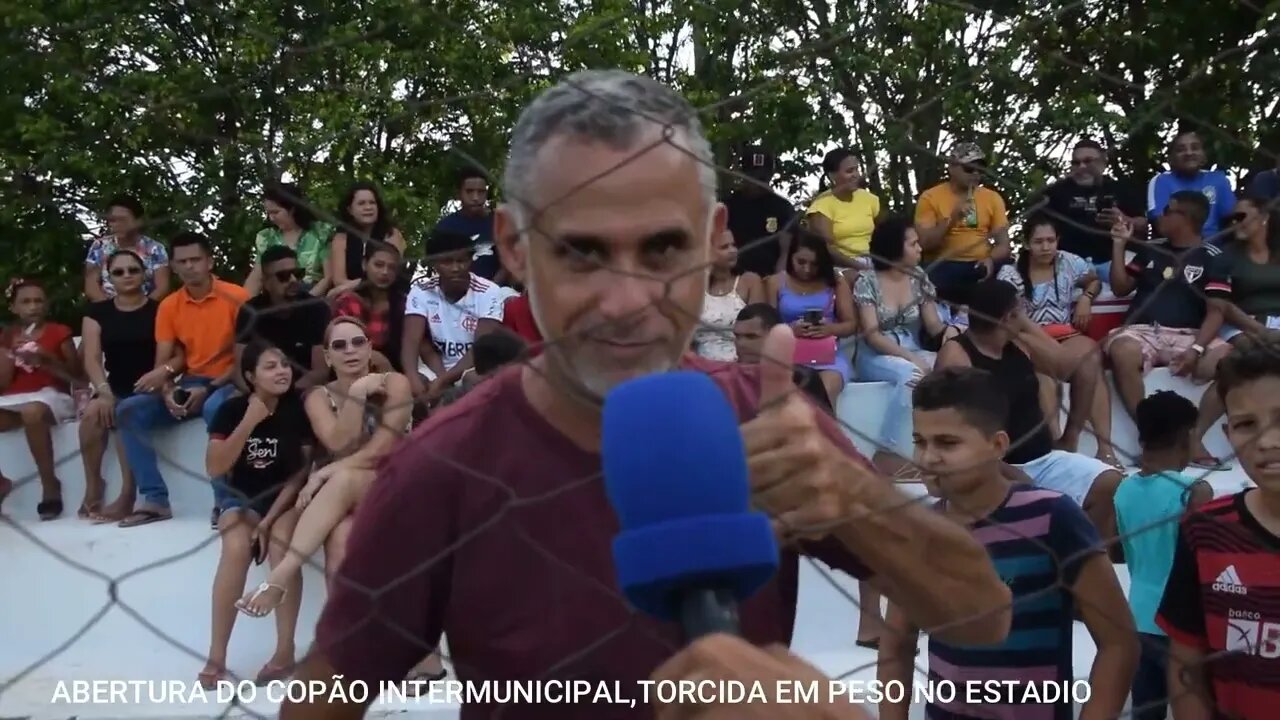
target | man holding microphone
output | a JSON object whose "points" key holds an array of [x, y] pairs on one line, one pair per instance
{"points": [[492, 524]]}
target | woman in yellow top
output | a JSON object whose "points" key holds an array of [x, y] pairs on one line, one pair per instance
{"points": [[296, 227], [844, 213]]}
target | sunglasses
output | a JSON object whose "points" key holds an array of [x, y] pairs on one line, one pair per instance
{"points": [[287, 275], [340, 345], [121, 272]]}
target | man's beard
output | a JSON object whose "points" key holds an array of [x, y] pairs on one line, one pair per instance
{"points": [[584, 381]]}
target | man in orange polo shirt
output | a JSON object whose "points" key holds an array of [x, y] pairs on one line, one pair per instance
{"points": [[194, 371]]}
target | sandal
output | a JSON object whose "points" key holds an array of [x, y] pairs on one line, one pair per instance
{"points": [[145, 517], [243, 603], [209, 679], [271, 672], [49, 509], [420, 682]]}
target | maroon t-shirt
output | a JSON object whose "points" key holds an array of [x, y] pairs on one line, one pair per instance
{"points": [[490, 526]]}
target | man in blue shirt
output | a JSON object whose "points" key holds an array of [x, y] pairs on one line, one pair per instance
{"points": [[1186, 172], [475, 221]]}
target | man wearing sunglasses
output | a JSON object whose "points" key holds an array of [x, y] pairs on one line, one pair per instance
{"points": [[963, 226], [287, 317]]}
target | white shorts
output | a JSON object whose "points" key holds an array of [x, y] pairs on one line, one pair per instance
{"points": [[62, 405], [1071, 474]]}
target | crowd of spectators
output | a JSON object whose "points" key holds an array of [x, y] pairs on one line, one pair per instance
{"points": [[334, 347]]}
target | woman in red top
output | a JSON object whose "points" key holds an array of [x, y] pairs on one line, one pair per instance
{"points": [[37, 360]]}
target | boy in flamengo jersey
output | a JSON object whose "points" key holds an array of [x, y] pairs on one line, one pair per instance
{"points": [[1043, 546], [1221, 606]]}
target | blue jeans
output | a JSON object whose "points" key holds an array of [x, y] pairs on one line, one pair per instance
{"points": [[871, 366], [1150, 683], [138, 416]]}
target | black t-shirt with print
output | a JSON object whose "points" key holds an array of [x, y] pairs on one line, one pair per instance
{"points": [[274, 451], [1171, 284], [295, 327], [753, 218], [128, 340], [1074, 207]]}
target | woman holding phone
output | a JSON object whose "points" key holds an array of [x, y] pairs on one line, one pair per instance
{"points": [[261, 443], [818, 306]]}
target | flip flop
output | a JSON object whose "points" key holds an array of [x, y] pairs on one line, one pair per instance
{"points": [[209, 679], [243, 605], [49, 509], [145, 517], [270, 672]]}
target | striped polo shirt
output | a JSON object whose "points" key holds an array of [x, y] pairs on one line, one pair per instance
{"points": [[1223, 599], [1038, 540]]}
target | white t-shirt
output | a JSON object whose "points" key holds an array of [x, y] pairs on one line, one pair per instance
{"points": [[453, 325]]}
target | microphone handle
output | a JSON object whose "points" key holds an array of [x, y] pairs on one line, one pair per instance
{"points": [[704, 611]]}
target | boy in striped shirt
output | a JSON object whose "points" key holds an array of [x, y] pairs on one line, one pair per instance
{"points": [[1044, 547], [1221, 606]]}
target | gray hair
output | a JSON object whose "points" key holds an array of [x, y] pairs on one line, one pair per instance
{"points": [[612, 107]]}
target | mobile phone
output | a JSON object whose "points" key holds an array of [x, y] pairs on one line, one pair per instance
{"points": [[812, 317], [1106, 202], [181, 396]]}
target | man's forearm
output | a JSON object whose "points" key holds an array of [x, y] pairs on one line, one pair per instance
{"points": [[930, 566], [1110, 681]]}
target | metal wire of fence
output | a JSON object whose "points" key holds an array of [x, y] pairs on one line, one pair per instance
{"points": [[31, 534]]}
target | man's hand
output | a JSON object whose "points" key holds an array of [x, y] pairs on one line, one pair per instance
{"points": [[987, 266], [195, 401], [1184, 363], [1122, 232], [798, 476], [720, 658], [1110, 216], [152, 380]]}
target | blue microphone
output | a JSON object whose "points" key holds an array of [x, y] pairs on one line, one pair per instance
{"points": [[675, 470]]}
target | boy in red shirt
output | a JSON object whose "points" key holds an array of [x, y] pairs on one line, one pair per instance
{"points": [[1221, 606]]}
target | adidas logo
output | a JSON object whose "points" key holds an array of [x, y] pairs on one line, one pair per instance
{"points": [[1229, 582]]}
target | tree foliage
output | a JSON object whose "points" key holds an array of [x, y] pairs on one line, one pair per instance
{"points": [[192, 107]]}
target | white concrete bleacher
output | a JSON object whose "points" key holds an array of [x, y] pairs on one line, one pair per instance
{"points": [[58, 622]]}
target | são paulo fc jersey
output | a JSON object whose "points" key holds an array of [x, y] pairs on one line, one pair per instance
{"points": [[453, 325]]}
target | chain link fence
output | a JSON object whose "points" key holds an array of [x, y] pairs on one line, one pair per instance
{"points": [[800, 58]]}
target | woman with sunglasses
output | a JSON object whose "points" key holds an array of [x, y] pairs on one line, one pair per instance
{"points": [[261, 443], [1244, 282], [357, 418], [118, 340]]}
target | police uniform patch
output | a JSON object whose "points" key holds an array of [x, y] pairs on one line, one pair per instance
{"points": [[1168, 273], [771, 225]]}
